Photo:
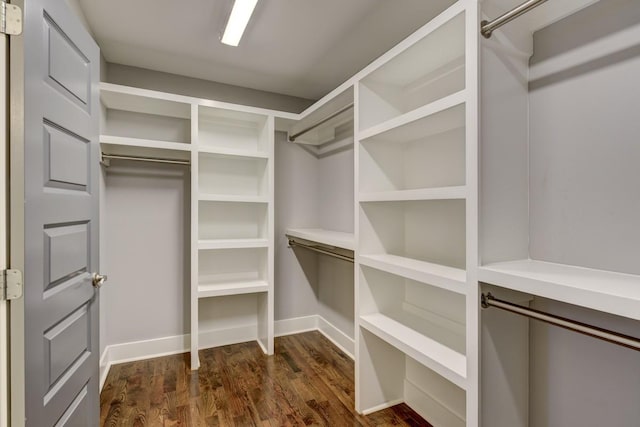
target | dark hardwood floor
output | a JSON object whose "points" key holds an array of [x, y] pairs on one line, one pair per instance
{"points": [[307, 382]]}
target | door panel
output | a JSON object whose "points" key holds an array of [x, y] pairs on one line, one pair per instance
{"points": [[61, 167]]}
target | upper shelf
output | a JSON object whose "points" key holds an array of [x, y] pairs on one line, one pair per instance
{"points": [[323, 125], [336, 239], [122, 146], [601, 290], [124, 98]]}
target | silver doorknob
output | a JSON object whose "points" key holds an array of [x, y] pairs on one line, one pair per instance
{"points": [[98, 280]]}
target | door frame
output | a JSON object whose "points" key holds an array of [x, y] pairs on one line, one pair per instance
{"points": [[4, 236], [17, 389]]}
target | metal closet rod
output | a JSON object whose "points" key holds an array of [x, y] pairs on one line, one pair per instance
{"points": [[633, 343], [320, 250], [146, 159], [292, 138], [488, 27]]}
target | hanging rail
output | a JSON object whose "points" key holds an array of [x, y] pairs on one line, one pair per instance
{"points": [[292, 138], [321, 250], [489, 300], [145, 159], [488, 27]]}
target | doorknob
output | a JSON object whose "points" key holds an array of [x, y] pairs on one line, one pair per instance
{"points": [[98, 280]]}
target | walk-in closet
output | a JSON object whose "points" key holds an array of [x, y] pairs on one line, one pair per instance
{"points": [[362, 213]]}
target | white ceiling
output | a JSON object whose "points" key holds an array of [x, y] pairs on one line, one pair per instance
{"points": [[302, 48]]}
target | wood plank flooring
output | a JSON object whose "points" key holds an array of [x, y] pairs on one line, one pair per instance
{"points": [[307, 382]]}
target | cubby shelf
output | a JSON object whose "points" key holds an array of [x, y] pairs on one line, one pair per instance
{"points": [[607, 291], [432, 108], [442, 359], [206, 290], [449, 278], [224, 151], [232, 244], [232, 198], [441, 193]]}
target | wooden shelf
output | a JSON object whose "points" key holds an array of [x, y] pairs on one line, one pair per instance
{"points": [[206, 290], [224, 151], [433, 108], [336, 239], [232, 244], [232, 198], [601, 290], [449, 278], [442, 359], [441, 193]]}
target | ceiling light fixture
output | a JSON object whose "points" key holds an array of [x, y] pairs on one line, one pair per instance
{"points": [[238, 20]]}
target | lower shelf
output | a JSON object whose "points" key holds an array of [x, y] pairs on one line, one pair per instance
{"points": [[440, 358], [206, 290]]}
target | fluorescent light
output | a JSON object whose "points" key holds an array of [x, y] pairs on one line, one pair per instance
{"points": [[238, 20]]}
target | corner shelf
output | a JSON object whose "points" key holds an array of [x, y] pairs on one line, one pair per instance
{"points": [[442, 359], [606, 291], [207, 290], [449, 278]]}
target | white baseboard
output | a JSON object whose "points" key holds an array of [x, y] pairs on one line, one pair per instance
{"points": [[341, 340], [158, 347], [295, 325]]}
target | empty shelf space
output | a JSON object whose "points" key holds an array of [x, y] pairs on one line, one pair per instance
{"points": [[208, 244], [421, 112], [206, 290], [442, 193], [336, 239], [224, 220], [433, 68], [138, 147], [233, 176], [616, 293], [232, 198], [220, 129], [442, 359], [451, 279], [431, 231]]}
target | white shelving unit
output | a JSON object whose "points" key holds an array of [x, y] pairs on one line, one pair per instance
{"points": [[232, 218], [416, 228], [230, 150]]}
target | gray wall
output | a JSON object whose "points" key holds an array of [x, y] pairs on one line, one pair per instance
{"points": [[147, 214], [584, 207], [165, 82], [313, 193]]}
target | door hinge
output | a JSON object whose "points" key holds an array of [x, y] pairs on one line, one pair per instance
{"points": [[11, 285], [10, 19]]}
